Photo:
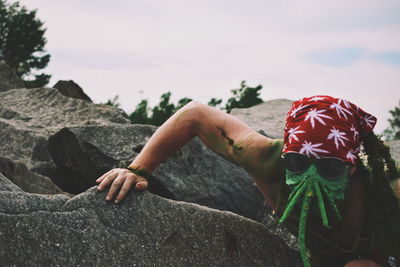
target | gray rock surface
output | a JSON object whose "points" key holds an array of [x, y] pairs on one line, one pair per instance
{"points": [[144, 230], [194, 174], [71, 89], [28, 181], [29, 116], [269, 116], [395, 149], [8, 79]]}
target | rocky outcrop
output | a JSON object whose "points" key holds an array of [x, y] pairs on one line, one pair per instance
{"points": [[144, 230], [71, 89], [268, 117], [88, 140], [8, 78], [29, 116], [28, 181], [194, 174]]}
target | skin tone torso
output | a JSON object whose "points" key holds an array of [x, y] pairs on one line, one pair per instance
{"points": [[227, 136]]}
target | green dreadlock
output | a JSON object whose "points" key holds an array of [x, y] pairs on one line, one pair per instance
{"points": [[384, 207]]}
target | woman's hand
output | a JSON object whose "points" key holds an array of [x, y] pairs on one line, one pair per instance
{"points": [[122, 180]]}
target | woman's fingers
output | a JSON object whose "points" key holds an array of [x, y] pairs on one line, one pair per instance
{"points": [[141, 184], [118, 182], [106, 179], [121, 181], [101, 178], [124, 189]]}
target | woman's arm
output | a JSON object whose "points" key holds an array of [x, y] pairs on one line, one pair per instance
{"points": [[221, 132]]}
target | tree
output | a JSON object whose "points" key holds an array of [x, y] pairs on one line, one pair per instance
{"points": [[214, 102], [163, 111], [140, 114], [113, 102], [22, 43], [181, 103], [393, 131], [244, 97]]}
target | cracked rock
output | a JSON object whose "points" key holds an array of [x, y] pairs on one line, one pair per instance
{"points": [[144, 230]]}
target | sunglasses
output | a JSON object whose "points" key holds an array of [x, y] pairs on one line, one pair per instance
{"points": [[327, 167]]}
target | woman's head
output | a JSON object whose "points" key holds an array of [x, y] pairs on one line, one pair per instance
{"points": [[321, 144], [324, 126]]}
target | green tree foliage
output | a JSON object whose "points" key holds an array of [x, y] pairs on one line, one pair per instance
{"points": [[214, 102], [141, 113], [163, 111], [157, 115], [22, 43], [244, 97], [393, 131], [113, 102], [181, 103]]}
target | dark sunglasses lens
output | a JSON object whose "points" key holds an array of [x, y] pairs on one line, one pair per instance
{"points": [[331, 167], [296, 162]]}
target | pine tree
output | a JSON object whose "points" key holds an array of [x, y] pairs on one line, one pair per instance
{"points": [[22, 43]]}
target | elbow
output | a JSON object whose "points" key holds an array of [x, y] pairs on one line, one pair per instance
{"points": [[192, 105], [189, 115]]}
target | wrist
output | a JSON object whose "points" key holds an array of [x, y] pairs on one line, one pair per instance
{"points": [[136, 169]]}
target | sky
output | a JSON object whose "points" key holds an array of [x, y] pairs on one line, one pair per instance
{"points": [[139, 49]]}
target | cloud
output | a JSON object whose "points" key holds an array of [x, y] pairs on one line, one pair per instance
{"points": [[339, 57], [201, 49], [392, 57]]}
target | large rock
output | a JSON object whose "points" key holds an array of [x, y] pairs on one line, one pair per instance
{"points": [[71, 89], [194, 174], [8, 78], [268, 117], [28, 181], [145, 230], [29, 116]]}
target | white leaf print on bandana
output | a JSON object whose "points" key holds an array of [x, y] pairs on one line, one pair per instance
{"points": [[355, 132], [351, 155], [317, 98], [311, 149], [293, 133], [315, 114], [294, 111], [369, 120], [341, 111], [338, 137]]}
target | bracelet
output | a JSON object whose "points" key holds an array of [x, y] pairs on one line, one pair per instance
{"points": [[141, 172]]}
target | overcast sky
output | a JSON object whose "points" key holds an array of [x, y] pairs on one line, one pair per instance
{"points": [[203, 48]]}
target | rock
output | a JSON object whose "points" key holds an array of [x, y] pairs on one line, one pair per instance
{"points": [[395, 149], [8, 78], [194, 174], [47, 108], [270, 221], [269, 116], [29, 116], [71, 89], [28, 181], [144, 230]]}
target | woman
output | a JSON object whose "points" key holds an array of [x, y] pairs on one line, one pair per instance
{"points": [[314, 171]]}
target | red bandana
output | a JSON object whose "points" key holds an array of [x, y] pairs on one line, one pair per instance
{"points": [[324, 126]]}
